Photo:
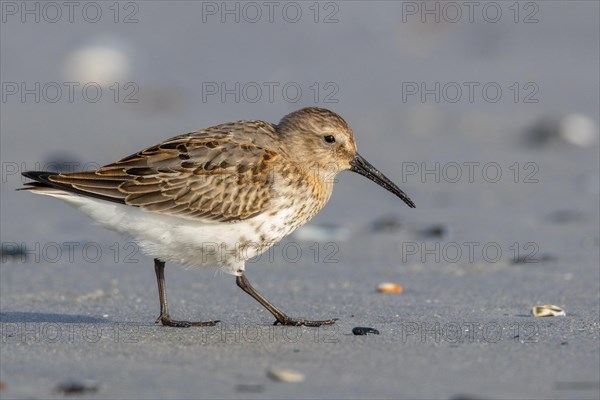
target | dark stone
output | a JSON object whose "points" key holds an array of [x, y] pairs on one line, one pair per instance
{"points": [[388, 224], [72, 388], [435, 231], [360, 330]]}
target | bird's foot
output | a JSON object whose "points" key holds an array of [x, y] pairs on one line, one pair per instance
{"points": [[303, 322], [165, 320]]}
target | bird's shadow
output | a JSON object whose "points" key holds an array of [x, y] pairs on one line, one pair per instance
{"points": [[33, 317]]}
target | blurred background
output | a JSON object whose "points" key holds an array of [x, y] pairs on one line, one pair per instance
{"points": [[485, 114]]}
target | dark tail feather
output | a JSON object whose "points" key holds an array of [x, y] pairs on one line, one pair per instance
{"points": [[42, 180]]}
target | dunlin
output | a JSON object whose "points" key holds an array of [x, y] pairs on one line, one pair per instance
{"points": [[221, 195]]}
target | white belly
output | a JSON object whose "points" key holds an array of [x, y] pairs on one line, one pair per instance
{"points": [[188, 242]]}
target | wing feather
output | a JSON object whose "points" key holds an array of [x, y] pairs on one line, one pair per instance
{"points": [[208, 175]]}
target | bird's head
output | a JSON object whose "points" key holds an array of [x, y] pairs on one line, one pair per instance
{"points": [[323, 143]]}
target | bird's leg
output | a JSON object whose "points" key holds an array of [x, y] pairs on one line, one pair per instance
{"points": [[281, 317], [159, 268]]}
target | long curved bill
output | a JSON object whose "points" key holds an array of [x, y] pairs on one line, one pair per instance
{"points": [[363, 167]]}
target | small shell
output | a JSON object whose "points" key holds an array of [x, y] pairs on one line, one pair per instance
{"points": [[283, 375], [389, 287], [548, 310]]}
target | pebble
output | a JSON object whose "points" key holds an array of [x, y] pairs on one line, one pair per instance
{"points": [[575, 129], [360, 331], [283, 375], [566, 216], [466, 397], [102, 62], [389, 287], [14, 252], [579, 130], [73, 387], [541, 132], [387, 224], [435, 231], [534, 259]]}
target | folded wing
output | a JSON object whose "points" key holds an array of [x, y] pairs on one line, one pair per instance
{"points": [[203, 177]]}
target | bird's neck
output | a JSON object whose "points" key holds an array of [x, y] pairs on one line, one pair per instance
{"points": [[321, 181]]}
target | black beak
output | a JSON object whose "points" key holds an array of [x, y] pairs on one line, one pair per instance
{"points": [[362, 166]]}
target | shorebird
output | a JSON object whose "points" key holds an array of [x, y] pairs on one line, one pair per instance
{"points": [[221, 195]]}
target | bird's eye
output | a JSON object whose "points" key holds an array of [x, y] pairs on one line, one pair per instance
{"points": [[329, 138]]}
